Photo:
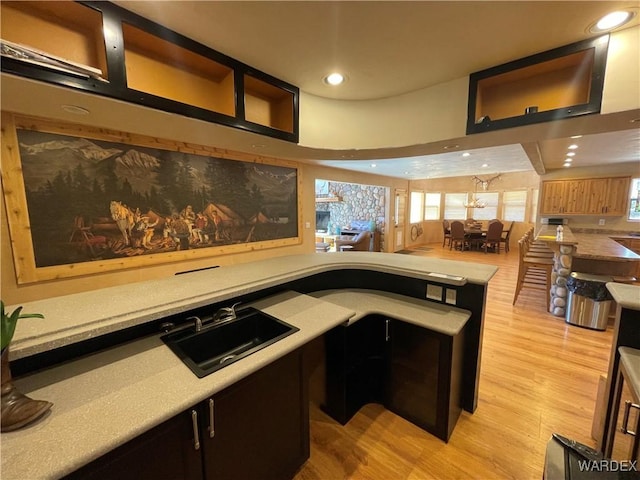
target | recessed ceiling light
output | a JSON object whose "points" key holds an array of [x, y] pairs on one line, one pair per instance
{"points": [[568, 160], [334, 79], [373, 165], [75, 109], [571, 154], [566, 164], [612, 20], [466, 154], [573, 147], [485, 165], [577, 136]]}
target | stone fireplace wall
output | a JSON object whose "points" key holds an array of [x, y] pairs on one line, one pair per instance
{"points": [[355, 202]]}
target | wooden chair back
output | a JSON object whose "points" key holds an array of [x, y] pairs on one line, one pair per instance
{"points": [[494, 232]]}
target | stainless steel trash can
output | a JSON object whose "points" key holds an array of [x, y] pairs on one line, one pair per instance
{"points": [[589, 301]]}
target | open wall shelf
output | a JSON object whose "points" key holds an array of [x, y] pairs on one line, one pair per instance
{"points": [[145, 63], [560, 83]]}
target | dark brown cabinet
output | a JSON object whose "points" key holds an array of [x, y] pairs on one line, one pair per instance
{"points": [[413, 371], [624, 441], [256, 428], [423, 381], [261, 425], [561, 83], [121, 55]]}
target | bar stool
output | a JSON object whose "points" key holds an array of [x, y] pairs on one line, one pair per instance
{"points": [[533, 272], [540, 250]]}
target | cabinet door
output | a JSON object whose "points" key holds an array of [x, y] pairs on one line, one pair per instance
{"points": [[553, 197], [625, 445], [597, 195], [617, 196], [413, 375], [355, 366], [166, 452], [260, 425], [574, 197]]}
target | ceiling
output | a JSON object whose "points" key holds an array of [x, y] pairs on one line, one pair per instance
{"points": [[391, 48]]}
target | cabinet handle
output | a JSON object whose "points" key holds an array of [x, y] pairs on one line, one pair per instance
{"points": [[386, 330], [196, 435], [212, 429], [625, 420]]}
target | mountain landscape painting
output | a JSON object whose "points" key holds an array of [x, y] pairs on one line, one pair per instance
{"points": [[93, 200]]}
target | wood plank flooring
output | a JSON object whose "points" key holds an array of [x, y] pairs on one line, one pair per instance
{"points": [[539, 375]]}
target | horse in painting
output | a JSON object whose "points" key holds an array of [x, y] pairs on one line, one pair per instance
{"points": [[123, 217]]}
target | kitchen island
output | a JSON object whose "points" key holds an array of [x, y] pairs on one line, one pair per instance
{"points": [[586, 253], [106, 398]]}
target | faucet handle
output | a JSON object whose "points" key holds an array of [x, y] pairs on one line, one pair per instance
{"points": [[226, 312]]}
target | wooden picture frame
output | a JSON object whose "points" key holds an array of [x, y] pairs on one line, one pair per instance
{"points": [[83, 200]]}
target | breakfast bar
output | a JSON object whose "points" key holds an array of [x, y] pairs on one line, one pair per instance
{"points": [[584, 252], [117, 394]]}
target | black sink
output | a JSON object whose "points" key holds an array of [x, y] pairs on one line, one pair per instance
{"points": [[217, 346]]}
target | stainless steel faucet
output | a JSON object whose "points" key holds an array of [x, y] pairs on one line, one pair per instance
{"points": [[197, 322], [225, 314]]}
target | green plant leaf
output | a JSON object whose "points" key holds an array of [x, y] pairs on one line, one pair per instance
{"points": [[8, 323]]}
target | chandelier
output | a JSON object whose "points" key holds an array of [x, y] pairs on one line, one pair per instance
{"points": [[474, 201]]}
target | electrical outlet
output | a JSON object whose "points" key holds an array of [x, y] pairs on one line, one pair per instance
{"points": [[450, 296], [601, 221], [307, 225], [434, 292]]}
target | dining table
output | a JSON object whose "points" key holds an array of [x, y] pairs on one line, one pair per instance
{"points": [[477, 232]]}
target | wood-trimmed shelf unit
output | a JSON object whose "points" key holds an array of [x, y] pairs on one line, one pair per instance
{"points": [[147, 64], [560, 83]]}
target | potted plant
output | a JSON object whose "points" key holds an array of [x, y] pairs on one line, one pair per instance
{"points": [[18, 410]]}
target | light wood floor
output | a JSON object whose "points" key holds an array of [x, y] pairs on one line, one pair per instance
{"points": [[539, 375]]}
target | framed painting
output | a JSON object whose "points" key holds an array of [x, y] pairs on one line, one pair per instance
{"points": [[82, 200]]}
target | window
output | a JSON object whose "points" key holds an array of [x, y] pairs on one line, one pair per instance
{"points": [[514, 205], [454, 208], [634, 200], [415, 207], [490, 211], [432, 206]]}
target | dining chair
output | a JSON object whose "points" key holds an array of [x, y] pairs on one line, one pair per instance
{"points": [[493, 237], [446, 230], [458, 236]]}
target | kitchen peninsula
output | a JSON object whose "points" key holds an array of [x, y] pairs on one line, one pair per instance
{"points": [[107, 398], [586, 253]]}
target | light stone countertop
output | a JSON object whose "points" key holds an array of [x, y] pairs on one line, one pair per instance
{"points": [[434, 316], [603, 247], [107, 398], [104, 400], [595, 246], [625, 295], [548, 234], [77, 317]]}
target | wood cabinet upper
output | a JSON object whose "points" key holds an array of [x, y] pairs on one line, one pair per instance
{"points": [[586, 196]]}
